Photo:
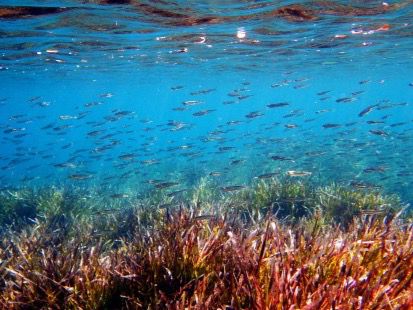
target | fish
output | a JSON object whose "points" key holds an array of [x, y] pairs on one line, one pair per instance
{"points": [[106, 95], [67, 117], [315, 153], [330, 125], [226, 148], [294, 113], [202, 91], [254, 114], [234, 123], [281, 158], [375, 122], [154, 181], [322, 111], [363, 185], [163, 185], [379, 133], [119, 196], [205, 217], [278, 105], [232, 188], [375, 169], [398, 124], [175, 193], [293, 173], [300, 86], [202, 112], [122, 113], [80, 176], [44, 104], [35, 98], [367, 110], [149, 162], [237, 161], [127, 156], [65, 165], [350, 124], [92, 104], [180, 109], [345, 100], [94, 133], [243, 97], [229, 102], [268, 175], [191, 102], [371, 212]]}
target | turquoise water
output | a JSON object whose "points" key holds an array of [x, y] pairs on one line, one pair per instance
{"points": [[157, 95]]}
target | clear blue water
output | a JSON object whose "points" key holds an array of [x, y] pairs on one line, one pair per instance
{"points": [[114, 96]]}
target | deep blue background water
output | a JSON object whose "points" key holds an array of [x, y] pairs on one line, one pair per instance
{"points": [[118, 72]]}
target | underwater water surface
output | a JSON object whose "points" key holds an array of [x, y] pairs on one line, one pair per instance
{"points": [[134, 96]]}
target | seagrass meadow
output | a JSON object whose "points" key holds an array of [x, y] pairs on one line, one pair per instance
{"points": [[278, 244], [229, 155]]}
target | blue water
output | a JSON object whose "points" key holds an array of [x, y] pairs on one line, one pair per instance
{"points": [[95, 95]]}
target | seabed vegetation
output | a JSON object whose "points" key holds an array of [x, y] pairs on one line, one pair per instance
{"points": [[278, 244]]}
